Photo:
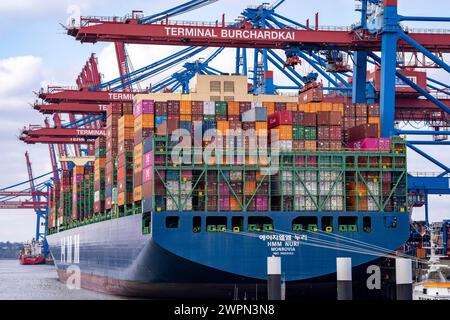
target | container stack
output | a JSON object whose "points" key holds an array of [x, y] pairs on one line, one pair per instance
{"points": [[99, 175], [77, 184], [144, 119], [113, 113], [65, 206], [329, 130], [125, 160]]}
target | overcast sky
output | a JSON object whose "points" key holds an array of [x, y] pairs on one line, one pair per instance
{"points": [[35, 52]]}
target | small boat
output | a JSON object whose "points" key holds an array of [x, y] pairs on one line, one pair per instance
{"points": [[435, 284], [32, 253]]}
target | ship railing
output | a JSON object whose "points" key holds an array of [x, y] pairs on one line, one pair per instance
{"points": [[427, 30], [426, 174], [54, 89]]}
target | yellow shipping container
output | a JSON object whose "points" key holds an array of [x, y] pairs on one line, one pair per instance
{"points": [[137, 152]]}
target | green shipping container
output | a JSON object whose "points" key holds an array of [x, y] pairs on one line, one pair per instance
{"points": [[221, 108], [310, 133], [298, 133]]}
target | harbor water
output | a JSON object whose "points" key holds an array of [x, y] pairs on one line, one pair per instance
{"points": [[39, 282]]}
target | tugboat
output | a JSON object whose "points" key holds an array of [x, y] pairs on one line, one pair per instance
{"points": [[435, 284], [32, 253]]}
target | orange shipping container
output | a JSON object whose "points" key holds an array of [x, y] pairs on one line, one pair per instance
{"points": [[326, 106], [338, 107], [78, 170], [250, 187], [284, 132], [185, 107], [223, 126], [99, 163], [270, 106], [291, 106], [303, 107], [185, 117], [234, 204], [137, 194], [144, 121], [126, 121], [233, 108], [311, 146]]}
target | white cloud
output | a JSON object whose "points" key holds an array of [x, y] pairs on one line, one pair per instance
{"points": [[17, 73]]}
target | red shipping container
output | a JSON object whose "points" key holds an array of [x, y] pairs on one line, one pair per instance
{"points": [[298, 145], [360, 121], [244, 107], [147, 190], [173, 107], [371, 144], [323, 145], [280, 106], [161, 108], [362, 132], [137, 179], [349, 123], [373, 110], [335, 145], [323, 132], [197, 108], [298, 117], [197, 117], [280, 118], [361, 110], [311, 95], [310, 119], [329, 118], [108, 203], [349, 111], [335, 133]]}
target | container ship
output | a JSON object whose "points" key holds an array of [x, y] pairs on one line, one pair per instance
{"points": [[307, 176]]}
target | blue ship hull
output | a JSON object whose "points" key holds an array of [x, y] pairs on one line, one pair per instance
{"points": [[114, 256]]}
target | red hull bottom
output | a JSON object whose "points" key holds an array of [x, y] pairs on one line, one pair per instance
{"points": [[32, 260]]}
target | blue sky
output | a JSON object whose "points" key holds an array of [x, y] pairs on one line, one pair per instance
{"points": [[35, 51]]}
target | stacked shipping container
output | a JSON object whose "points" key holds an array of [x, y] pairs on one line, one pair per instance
{"points": [[133, 163]]}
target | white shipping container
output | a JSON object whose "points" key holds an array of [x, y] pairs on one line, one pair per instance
{"points": [[282, 145], [97, 196], [334, 203], [209, 108]]}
